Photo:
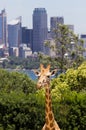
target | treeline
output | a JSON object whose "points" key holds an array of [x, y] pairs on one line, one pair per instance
{"points": [[20, 63], [22, 107]]}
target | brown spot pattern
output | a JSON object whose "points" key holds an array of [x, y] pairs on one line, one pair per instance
{"points": [[47, 121], [51, 124], [46, 96], [46, 109], [49, 102], [50, 116], [47, 128], [53, 129]]}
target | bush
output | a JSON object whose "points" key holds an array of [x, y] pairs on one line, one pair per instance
{"points": [[69, 96], [15, 81]]}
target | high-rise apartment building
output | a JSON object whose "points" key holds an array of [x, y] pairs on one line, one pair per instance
{"points": [[3, 28], [40, 29], [54, 21], [14, 32]]}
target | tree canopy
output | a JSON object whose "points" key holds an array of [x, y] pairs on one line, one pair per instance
{"points": [[68, 47], [22, 106]]}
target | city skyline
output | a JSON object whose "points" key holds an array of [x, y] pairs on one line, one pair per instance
{"points": [[72, 11]]}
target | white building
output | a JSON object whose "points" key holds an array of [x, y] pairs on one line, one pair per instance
{"points": [[24, 51]]}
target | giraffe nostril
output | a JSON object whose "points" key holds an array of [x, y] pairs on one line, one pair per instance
{"points": [[43, 81], [40, 83]]}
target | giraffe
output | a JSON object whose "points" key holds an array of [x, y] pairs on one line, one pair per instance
{"points": [[44, 81]]}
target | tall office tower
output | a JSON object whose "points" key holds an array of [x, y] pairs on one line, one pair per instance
{"points": [[54, 21], [40, 29], [14, 32], [27, 36], [3, 28]]}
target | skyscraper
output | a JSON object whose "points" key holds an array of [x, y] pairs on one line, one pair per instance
{"points": [[27, 36], [40, 29], [3, 28], [53, 23], [14, 32]]}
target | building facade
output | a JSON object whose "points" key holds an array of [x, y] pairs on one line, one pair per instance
{"points": [[54, 21], [24, 51], [14, 33], [83, 36], [3, 28], [40, 29], [27, 36]]}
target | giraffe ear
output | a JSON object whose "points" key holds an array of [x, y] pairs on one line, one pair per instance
{"points": [[36, 72], [41, 66], [53, 72], [48, 67]]}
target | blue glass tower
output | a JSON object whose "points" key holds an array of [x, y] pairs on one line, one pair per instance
{"points": [[14, 32], [40, 29]]}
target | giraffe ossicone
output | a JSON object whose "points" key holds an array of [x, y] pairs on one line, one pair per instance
{"points": [[44, 81]]}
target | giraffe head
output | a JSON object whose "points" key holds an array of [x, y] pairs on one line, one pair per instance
{"points": [[44, 75]]}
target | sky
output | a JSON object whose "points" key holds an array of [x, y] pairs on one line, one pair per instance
{"points": [[73, 11]]}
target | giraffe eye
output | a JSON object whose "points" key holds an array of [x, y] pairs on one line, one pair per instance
{"points": [[48, 76], [38, 77]]}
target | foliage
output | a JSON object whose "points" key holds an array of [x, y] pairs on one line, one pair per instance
{"points": [[67, 46], [69, 96], [18, 102], [20, 63], [20, 111], [45, 60], [14, 81], [22, 107]]}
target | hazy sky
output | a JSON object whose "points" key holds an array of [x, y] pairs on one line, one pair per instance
{"points": [[73, 11]]}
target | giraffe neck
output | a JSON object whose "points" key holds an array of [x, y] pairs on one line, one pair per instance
{"points": [[49, 117]]}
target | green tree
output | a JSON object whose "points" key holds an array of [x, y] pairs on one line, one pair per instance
{"points": [[15, 81], [69, 93], [68, 47], [20, 63]]}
